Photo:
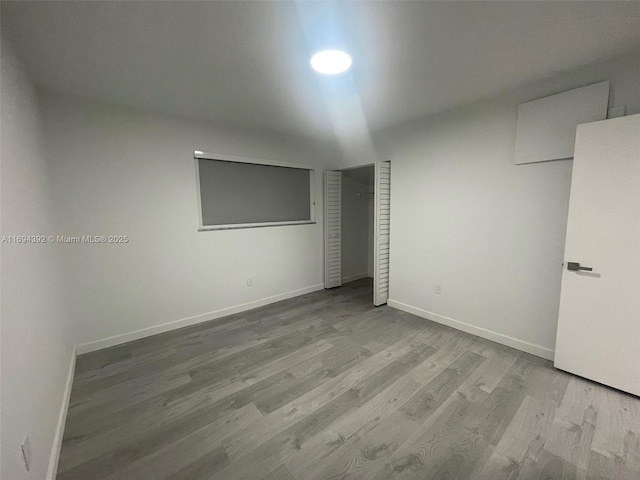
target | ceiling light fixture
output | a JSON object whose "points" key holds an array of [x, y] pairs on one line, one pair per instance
{"points": [[331, 62]]}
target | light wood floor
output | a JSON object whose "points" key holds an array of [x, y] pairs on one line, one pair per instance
{"points": [[326, 386]]}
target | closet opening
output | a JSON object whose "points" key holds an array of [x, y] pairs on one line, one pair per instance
{"points": [[357, 246], [357, 205]]}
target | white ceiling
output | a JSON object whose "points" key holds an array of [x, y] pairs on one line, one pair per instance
{"points": [[246, 63]]}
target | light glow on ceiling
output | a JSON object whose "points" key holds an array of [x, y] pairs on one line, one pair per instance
{"points": [[331, 62]]}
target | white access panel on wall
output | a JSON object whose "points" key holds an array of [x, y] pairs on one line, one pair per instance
{"points": [[546, 127], [599, 318], [382, 230], [332, 229]]}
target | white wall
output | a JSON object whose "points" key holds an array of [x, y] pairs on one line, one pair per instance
{"points": [[36, 340], [121, 172], [355, 229], [492, 233]]}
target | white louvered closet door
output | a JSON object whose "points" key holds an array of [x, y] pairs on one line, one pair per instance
{"points": [[332, 229], [382, 224]]}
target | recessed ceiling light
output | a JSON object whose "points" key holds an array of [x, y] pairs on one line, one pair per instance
{"points": [[331, 62]]}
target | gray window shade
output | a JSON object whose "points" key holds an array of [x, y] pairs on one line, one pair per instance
{"points": [[234, 193]]}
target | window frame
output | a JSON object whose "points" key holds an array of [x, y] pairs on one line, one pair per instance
{"points": [[201, 155]]}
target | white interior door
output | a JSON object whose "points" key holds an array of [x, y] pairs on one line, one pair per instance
{"points": [[381, 230], [332, 229], [599, 320]]}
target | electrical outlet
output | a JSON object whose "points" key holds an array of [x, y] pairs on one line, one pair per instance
{"points": [[249, 281], [437, 288], [27, 452]]}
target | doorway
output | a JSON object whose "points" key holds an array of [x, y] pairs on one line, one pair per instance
{"points": [[357, 227], [357, 223]]}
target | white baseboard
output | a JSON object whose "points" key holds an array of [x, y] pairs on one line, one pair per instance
{"points": [[54, 456], [478, 331], [186, 322], [353, 278]]}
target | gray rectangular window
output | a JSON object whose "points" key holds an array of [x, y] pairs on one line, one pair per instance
{"points": [[236, 194]]}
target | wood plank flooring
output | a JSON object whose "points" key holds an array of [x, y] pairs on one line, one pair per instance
{"points": [[326, 386]]}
